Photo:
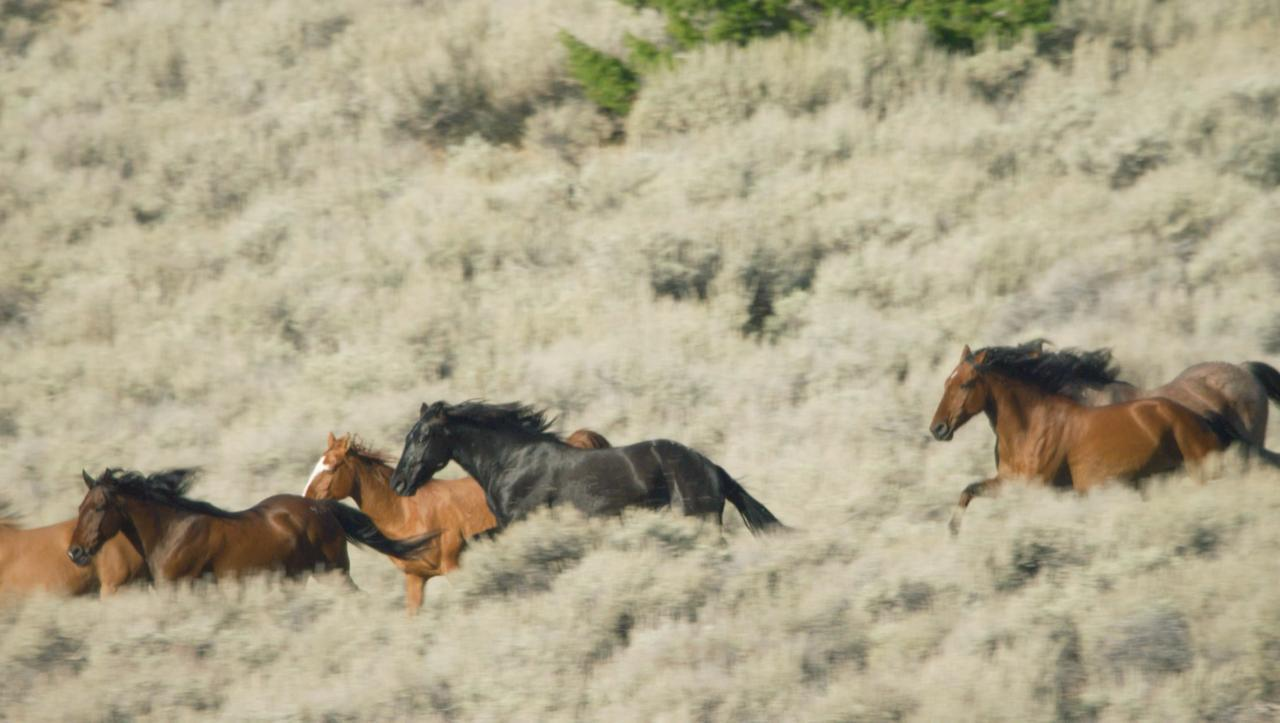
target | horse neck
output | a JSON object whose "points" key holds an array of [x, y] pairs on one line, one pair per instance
{"points": [[148, 523], [1017, 409], [371, 489], [485, 453]]}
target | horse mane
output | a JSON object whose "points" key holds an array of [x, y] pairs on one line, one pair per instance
{"points": [[167, 488], [1055, 372], [365, 453], [511, 416]]}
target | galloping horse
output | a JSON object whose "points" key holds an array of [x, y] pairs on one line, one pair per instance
{"points": [[1235, 392], [35, 559], [454, 507], [522, 466], [182, 538], [1047, 438]]}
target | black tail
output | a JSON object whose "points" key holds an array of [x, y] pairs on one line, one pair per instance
{"points": [[1228, 435], [360, 530], [758, 518], [1267, 376]]}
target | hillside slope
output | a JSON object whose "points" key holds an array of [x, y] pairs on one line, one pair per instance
{"points": [[231, 228]]}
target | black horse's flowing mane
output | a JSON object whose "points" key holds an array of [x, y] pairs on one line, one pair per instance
{"points": [[1052, 371], [167, 488], [510, 416]]}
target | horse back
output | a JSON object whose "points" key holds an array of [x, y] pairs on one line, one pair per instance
{"points": [[288, 533], [35, 559]]}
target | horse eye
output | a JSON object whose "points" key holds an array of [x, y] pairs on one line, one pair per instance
{"points": [[969, 384]]}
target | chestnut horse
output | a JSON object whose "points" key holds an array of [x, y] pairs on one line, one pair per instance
{"points": [[36, 560], [1237, 393], [182, 538], [1048, 438], [455, 507]]}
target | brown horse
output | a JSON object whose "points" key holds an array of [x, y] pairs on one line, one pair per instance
{"points": [[455, 507], [1048, 438], [181, 538], [35, 559], [1237, 393]]}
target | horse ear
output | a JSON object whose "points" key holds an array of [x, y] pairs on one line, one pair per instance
{"points": [[346, 442], [422, 411], [88, 481], [966, 355], [331, 439]]}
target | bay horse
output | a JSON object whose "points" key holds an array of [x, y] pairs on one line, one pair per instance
{"points": [[522, 467], [1237, 393], [454, 507], [34, 559], [1047, 438], [181, 538]]}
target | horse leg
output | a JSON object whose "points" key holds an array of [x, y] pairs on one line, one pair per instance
{"points": [[1195, 444], [414, 588], [978, 489]]}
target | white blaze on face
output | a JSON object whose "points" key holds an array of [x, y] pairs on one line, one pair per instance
{"points": [[320, 467]]}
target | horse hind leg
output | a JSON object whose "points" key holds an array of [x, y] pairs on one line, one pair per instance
{"points": [[1198, 443]]}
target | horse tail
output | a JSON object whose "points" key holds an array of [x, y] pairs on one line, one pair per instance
{"points": [[360, 530], [1227, 435], [1267, 376], [758, 517]]}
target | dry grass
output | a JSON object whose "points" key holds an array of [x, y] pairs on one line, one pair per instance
{"points": [[230, 228]]}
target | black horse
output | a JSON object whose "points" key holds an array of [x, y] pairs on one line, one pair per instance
{"points": [[522, 466]]}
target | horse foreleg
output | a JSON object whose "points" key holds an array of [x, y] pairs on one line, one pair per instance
{"points": [[978, 489], [414, 589]]}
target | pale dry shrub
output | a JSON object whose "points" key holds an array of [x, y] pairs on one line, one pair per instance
{"points": [[220, 244]]}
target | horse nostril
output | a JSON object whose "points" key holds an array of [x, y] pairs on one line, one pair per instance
{"points": [[939, 430]]}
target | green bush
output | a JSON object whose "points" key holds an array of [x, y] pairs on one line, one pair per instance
{"points": [[607, 81], [958, 25]]}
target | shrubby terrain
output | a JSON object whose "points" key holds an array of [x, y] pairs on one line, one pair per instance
{"points": [[229, 228]]}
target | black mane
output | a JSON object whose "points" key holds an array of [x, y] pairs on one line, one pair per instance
{"points": [[167, 488], [1056, 372], [510, 416]]}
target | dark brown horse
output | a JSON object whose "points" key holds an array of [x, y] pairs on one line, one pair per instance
{"points": [[1047, 438], [181, 538], [1237, 393], [454, 507], [35, 559]]}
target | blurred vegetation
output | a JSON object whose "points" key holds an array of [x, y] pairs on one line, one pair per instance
{"points": [[957, 25]]}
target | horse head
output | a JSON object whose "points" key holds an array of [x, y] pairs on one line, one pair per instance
{"points": [[427, 449], [964, 394], [100, 519]]}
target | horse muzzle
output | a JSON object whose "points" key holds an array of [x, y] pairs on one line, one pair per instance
{"points": [[79, 555], [942, 431]]}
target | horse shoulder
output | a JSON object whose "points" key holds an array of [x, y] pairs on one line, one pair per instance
{"points": [[463, 508]]}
